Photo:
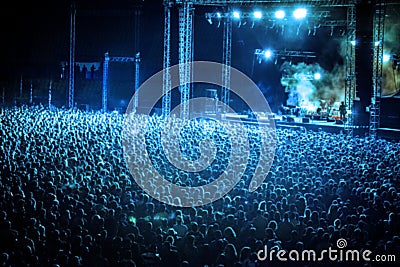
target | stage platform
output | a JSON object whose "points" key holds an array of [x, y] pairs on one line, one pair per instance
{"points": [[301, 123]]}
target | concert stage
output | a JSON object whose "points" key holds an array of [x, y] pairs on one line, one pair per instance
{"points": [[333, 127], [300, 123]]}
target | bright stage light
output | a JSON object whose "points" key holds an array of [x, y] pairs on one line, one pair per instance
{"points": [[219, 15], [257, 14], [377, 43], [236, 14], [317, 76], [268, 54], [353, 43], [280, 14], [300, 13], [386, 58]]}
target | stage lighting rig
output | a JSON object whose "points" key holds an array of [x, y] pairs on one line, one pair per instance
{"points": [[280, 14], [278, 17], [386, 58], [317, 76], [271, 14], [300, 13], [281, 54], [257, 14], [236, 14], [268, 54]]}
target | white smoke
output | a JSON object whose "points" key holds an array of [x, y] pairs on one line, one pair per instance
{"points": [[391, 45], [311, 94], [307, 92]]}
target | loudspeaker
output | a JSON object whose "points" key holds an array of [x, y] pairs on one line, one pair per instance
{"points": [[290, 119], [330, 120], [339, 122], [306, 120]]}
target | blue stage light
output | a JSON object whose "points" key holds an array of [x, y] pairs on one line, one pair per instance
{"points": [[257, 14], [268, 54], [280, 14], [300, 13], [385, 58]]}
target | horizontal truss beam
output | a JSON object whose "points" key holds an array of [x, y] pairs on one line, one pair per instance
{"points": [[287, 53], [318, 18], [330, 3], [244, 15], [122, 59]]}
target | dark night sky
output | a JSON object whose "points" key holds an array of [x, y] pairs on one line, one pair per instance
{"points": [[36, 33], [35, 39]]}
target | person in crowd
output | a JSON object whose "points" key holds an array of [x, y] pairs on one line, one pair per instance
{"points": [[342, 111], [68, 198]]}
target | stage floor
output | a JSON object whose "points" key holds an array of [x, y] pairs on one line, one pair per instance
{"points": [[294, 122]]}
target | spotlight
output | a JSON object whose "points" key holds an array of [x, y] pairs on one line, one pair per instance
{"points": [[317, 76], [300, 13], [236, 14], [219, 15], [268, 54], [353, 43], [385, 58], [257, 14], [280, 14], [377, 43]]}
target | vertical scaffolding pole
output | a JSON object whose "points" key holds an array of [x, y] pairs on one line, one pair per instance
{"points": [[20, 87], [166, 100], [105, 83], [226, 61], [138, 12], [50, 85], [31, 94], [350, 83], [379, 23], [137, 66], [71, 80], [185, 55]]}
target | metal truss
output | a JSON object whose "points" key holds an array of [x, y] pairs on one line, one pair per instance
{"points": [[295, 77], [269, 15], [284, 53], [122, 59], [186, 49], [104, 97], [350, 80], [107, 59], [316, 20], [226, 61], [137, 81], [50, 92], [31, 94], [379, 24], [279, 2], [185, 55], [166, 100], [333, 23], [71, 76]]}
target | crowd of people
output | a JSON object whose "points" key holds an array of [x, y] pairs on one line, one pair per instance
{"points": [[69, 199]]}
